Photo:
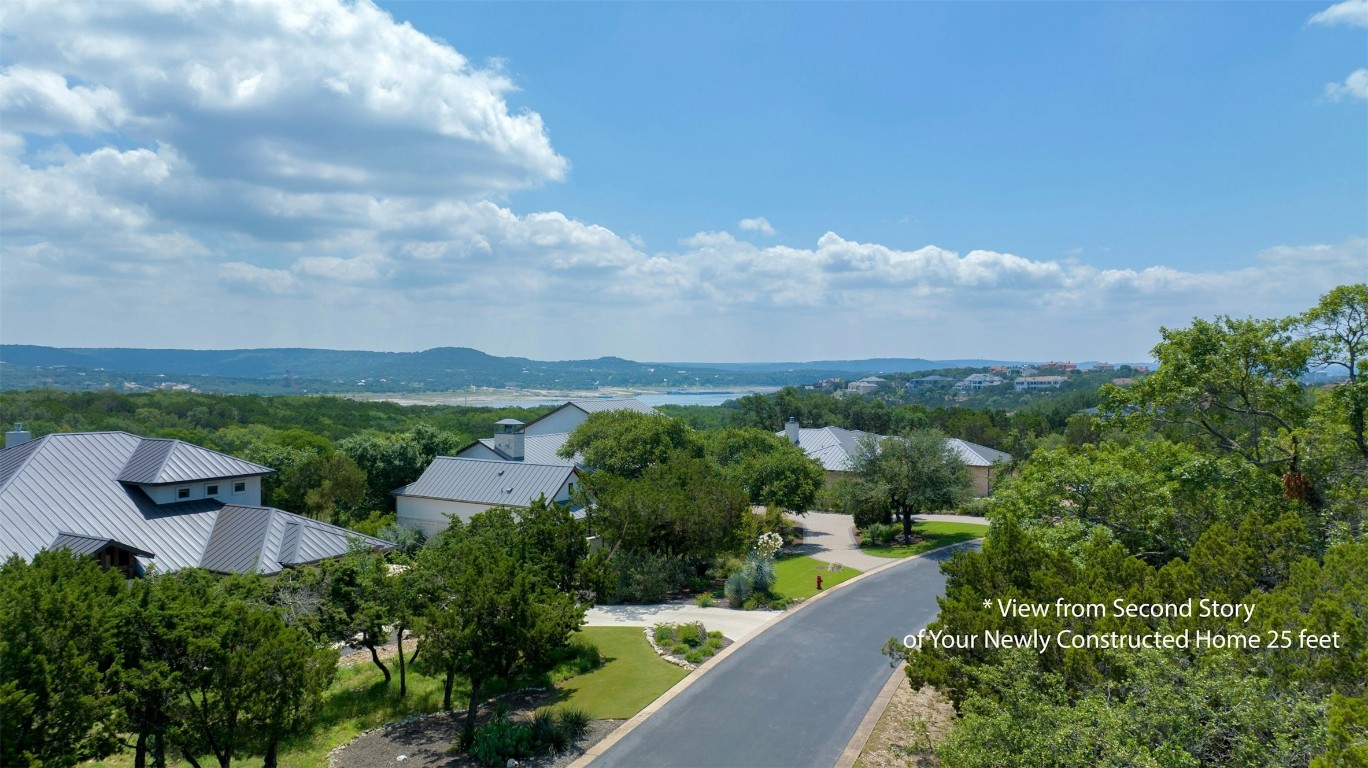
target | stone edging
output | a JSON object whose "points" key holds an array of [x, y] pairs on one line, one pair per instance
{"points": [[662, 653]]}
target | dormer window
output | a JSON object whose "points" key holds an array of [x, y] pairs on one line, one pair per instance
{"points": [[211, 490], [182, 493]]}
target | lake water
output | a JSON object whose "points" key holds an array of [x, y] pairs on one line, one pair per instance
{"points": [[654, 398]]}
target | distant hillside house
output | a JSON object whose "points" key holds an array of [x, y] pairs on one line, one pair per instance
{"points": [[836, 450], [975, 382], [462, 488], [135, 502], [865, 386], [1028, 383], [540, 441]]}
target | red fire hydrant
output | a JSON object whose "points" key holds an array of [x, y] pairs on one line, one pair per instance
{"points": [[819, 582]]}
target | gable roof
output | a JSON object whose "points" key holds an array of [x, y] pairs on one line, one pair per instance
{"points": [[832, 447], [596, 405], [975, 455], [89, 545], [482, 481], [68, 485], [537, 449], [157, 461], [835, 448]]}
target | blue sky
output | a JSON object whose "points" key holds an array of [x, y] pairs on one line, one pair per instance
{"points": [[700, 181]]}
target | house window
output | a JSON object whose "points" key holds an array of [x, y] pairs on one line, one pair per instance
{"points": [[182, 493], [211, 490], [239, 487]]}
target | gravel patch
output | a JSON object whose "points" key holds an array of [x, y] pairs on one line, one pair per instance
{"points": [[427, 740]]}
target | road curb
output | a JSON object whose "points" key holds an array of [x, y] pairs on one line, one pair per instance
{"points": [[626, 728], [857, 742]]}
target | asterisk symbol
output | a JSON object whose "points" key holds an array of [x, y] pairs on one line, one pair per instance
{"points": [[988, 603]]}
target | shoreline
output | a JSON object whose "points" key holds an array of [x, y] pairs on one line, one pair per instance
{"points": [[489, 397]]}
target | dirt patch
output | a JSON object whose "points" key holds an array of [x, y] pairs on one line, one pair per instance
{"points": [[427, 740], [385, 652], [914, 723]]}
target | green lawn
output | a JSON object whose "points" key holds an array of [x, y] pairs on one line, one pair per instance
{"points": [[631, 677], [936, 535], [796, 577]]}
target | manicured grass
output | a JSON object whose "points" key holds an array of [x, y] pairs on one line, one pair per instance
{"points": [[796, 577], [631, 677], [935, 535]]}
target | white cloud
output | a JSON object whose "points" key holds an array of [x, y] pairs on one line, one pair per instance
{"points": [[1355, 86], [1353, 13], [313, 174], [758, 224], [41, 102]]}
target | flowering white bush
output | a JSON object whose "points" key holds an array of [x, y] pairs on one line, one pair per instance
{"points": [[768, 544]]}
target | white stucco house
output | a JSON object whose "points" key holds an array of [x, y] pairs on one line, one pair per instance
{"points": [[456, 487]]}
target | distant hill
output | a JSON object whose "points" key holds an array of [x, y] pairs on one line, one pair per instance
{"points": [[269, 371]]}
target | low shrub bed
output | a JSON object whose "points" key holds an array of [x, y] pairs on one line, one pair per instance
{"points": [[690, 642], [548, 731]]}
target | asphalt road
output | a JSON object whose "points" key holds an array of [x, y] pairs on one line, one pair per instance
{"points": [[794, 695]]}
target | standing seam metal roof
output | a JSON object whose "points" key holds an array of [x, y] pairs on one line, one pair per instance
{"points": [[158, 461], [69, 484], [537, 449], [835, 448], [483, 481]]}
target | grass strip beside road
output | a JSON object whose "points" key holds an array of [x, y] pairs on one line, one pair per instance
{"points": [[934, 536], [631, 677], [796, 577]]}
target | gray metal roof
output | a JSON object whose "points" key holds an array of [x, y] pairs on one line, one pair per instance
{"points": [[157, 462], [89, 545], [69, 484], [497, 483], [537, 449], [976, 455], [598, 404], [835, 448], [832, 447]]}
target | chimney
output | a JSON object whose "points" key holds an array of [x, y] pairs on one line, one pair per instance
{"points": [[17, 436], [509, 438], [791, 429]]}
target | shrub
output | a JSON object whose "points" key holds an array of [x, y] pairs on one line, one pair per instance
{"points": [[879, 534], [647, 577], [738, 589], [547, 731], [759, 571], [695, 657], [691, 635], [500, 740], [574, 720], [679, 649], [704, 600]]}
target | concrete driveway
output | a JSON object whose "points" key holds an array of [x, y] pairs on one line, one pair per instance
{"points": [[827, 537], [732, 624], [794, 694]]}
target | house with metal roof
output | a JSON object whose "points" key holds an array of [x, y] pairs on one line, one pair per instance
{"points": [[459, 487], [137, 502], [540, 441], [836, 450]]}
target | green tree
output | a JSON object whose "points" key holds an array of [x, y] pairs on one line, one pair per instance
{"points": [[244, 678], [1338, 329], [492, 615], [358, 601], [58, 659], [772, 470], [625, 443], [683, 506], [910, 474]]}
